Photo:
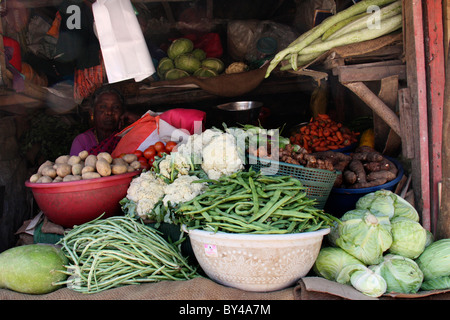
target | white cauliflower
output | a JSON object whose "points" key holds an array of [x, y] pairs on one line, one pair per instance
{"points": [[145, 190], [193, 148], [176, 161], [182, 190], [221, 156]]}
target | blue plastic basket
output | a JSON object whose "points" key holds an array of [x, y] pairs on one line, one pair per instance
{"points": [[342, 200], [318, 182]]}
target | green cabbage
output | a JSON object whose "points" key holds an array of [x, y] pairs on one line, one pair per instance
{"points": [[439, 283], [214, 63], [401, 274], [331, 261], [179, 46], [199, 54], [175, 73], [403, 208], [435, 260], [368, 282], [381, 201], [164, 65], [187, 62], [365, 235], [409, 238], [205, 73]]}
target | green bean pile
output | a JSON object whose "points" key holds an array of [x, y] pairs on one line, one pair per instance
{"points": [[117, 251], [248, 202]]}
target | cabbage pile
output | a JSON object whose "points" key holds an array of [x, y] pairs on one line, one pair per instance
{"points": [[184, 60], [380, 247]]}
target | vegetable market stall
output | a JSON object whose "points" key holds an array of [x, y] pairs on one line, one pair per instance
{"points": [[383, 226]]}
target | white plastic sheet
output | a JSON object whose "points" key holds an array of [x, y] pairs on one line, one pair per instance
{"points": [[124, 50]]}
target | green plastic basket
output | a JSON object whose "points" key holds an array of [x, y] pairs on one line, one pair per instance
{"points": [[319, 182]]}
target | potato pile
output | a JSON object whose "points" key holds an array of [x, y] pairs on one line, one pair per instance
{"points": [[84, 166]]}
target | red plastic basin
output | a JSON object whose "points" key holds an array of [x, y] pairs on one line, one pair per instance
{"points": [[77, 202]]}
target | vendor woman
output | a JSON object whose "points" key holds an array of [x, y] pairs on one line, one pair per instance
{"points": [[109, 115]]}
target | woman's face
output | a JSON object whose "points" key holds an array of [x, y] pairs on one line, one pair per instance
{"points": [[107, 112]]}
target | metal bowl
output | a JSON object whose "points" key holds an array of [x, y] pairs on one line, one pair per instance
{"points": [[240, 112]]}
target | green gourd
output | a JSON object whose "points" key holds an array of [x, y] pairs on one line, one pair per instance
{"points": [[32, 269]]}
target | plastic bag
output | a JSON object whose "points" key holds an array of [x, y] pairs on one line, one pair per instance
{"points": [[124, 50]]}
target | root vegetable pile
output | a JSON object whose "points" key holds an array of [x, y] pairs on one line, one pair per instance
{"points": [[322, 133], [364, 168], [83, 167]]}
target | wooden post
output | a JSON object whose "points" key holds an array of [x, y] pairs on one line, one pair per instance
{"points": [[416, 79]]}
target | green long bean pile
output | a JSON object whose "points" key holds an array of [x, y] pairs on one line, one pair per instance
{"points": [[248, 202], [117, 251]]}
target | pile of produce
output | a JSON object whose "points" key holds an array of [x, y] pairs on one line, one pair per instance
{"points": [[352, 25], [147, 157], [184, 60], [363, 168], [248, 202], [172, 179], [108, 253], [83, 167], [380, 247], [322, 134]]}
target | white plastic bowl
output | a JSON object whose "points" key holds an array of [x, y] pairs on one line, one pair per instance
{"points": [[255, 262]]}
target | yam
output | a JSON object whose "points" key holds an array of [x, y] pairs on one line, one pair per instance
{"points": [[49, 172], [63, 169], [106, 156], [385, 174], [77, 168], [90, 175], [62, 159], [130, 157], [103, 167], [74, 160], [91, 160], [83, 154]]}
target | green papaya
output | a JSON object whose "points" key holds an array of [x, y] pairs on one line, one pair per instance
{"points": [[32, 269]]}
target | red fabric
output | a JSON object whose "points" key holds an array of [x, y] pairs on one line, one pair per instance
{"points": [[107, 145], [209, 42], [16, 60], [184, 118]]}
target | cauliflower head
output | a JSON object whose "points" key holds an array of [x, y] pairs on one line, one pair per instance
{"points": [[145, 190], [182, 190], [221, 156]]}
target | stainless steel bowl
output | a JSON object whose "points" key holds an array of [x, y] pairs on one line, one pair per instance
{"points": [[240, 112]]}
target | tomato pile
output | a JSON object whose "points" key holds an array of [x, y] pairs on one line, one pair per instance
{"points": [[147, 156], [322, 133]]}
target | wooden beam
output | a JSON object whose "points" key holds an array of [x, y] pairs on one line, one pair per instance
{"points": [[370, 71], [376, 104], [416, 79], [435, 62]]}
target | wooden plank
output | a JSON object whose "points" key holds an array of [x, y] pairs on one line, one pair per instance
{"points": [[416, 79], [376, 104], [406, 123], [370, 71], [436, 82]]}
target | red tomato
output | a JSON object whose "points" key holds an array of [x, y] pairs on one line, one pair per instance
{"points": [[138, 153], [150, 152], [150, 161], [159, 146], [161, 153], [170, 145], [144, 163]]}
